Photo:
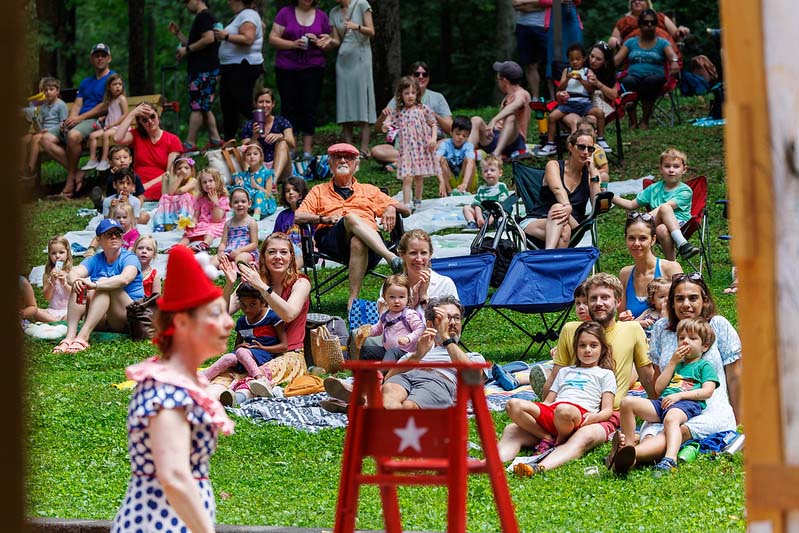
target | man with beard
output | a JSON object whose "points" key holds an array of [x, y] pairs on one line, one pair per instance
{"points": [[344, 212], [431, 388], [628, 342]]}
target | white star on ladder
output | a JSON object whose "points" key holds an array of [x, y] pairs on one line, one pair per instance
{"points": [[410, 436]]}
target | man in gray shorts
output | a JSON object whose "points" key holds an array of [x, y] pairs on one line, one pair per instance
{"points": [[434, 387], [87, 107]]}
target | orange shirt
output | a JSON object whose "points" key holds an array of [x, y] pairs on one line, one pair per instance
{"points": [[367, 201]]}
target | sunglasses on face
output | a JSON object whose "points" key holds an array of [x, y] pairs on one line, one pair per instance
{"points": [[344, 157], [635, 215], [112, 234], [148, 118], [421, 74], [648, 22], [585, 147], [690, 276]]}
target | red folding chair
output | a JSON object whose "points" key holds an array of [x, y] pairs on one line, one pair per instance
{"points": [[698, 221]]}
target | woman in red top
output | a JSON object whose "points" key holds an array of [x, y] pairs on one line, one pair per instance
{"points": [[154, 149], [285, 290]]}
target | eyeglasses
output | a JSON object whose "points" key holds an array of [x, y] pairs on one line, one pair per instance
{"points": [[455, 318], [585, 147], [690, 276], [420, 74], [649, 22], [635, 215], [345, 157]]}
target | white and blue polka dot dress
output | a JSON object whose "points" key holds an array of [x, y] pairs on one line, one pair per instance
{"points": [[145, 508]]}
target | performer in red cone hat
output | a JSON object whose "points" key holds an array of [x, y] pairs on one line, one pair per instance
{"points": [[173, 424]]}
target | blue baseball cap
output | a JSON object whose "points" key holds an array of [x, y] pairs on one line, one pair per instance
{"points": [[107, 224]]}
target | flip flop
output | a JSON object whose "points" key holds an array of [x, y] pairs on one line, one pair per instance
{"points": [[63, 346], [614, 450], [625, 460], [78, 345]]}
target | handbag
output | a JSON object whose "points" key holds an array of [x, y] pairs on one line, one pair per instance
{"points": [[326, 349], [140, 317], [227, 159]]}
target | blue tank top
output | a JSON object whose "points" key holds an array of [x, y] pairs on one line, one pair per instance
{"points": [[635, 303]]}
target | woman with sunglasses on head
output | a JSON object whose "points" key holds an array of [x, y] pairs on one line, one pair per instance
{"points": [[568, 185], [647, 55], [388, 154], [689, 297], [155, 149], [639, 235]]}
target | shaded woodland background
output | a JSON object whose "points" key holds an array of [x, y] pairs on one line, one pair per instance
{"points": [[459, 39]]}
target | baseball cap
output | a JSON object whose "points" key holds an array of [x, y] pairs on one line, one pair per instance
{"points": [[509, 70], [344, 149], [107, 224], [101, 47]]}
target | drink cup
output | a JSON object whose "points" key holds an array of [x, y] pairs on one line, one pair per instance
{"points": [[218, 26], [80, 297], [58, 265], [689, 452], [259, 117], [304, 40]]}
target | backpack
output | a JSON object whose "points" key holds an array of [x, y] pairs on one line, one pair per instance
{"points": [[504, 253]]}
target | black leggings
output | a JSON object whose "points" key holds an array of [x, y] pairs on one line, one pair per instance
{"points": [[299, 96], [235, 93], [647, 87]]}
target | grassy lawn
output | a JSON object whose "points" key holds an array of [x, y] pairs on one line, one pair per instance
{"points": [[271, 475]]}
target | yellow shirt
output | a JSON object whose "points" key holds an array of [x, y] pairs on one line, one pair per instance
{"points": [[628, 341]]}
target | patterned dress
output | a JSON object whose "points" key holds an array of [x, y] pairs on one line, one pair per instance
{"points": [[238, 236], [260, 200], [205, 224], [145, 506], [415, 157]]}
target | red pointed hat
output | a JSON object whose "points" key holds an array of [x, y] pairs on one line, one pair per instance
{"points": [[186, 285]]}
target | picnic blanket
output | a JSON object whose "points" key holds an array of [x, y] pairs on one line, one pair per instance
{"points": [[301, 412]]}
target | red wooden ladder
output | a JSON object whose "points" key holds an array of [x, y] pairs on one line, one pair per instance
{"points": [[418, 447]]}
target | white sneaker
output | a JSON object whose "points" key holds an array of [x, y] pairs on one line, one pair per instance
{"points": [[261, 388], [91, 165], [604, 144], [103, 165], [547, 150]]}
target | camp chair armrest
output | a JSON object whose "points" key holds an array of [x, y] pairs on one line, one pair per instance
{"points": [[603, 202]]}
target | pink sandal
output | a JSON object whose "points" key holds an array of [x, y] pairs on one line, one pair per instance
{"points": [[78, 345], [63, 346]]}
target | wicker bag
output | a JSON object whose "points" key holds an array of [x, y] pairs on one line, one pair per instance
{"points": [[326, 349]]}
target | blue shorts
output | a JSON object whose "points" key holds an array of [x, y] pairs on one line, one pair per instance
{"points": [[531, 42], [517, 145], [579, 106], [691, 408], [261, 356]]}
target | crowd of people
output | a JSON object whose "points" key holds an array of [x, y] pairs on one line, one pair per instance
{"points": [[652, 324]]}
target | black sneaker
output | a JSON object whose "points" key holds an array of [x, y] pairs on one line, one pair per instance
{"points": [[397, 265], [97, 198], [687, 250]]}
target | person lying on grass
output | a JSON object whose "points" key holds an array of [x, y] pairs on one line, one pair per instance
{"points": [[581, 394], [629, 347], [685, 385]]}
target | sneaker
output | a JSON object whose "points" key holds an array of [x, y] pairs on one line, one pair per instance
{"points": [[334, 405], [687, 250], [261, 388], [188, 147], [227, 398], [97, 198], [520, 155], [103, 165], [397, 266], [547, 150], [525, 470], [666, 465], [471, 226], [417, 204], [338, 389], [504, 379], [91, 165], [539, 373], [604, 144], [307, 156]]}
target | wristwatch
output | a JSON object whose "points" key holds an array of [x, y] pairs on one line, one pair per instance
{"points": [[595, 179], [448, 342], [268, 289]]}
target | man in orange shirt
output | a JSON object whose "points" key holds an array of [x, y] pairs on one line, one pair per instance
{"points": [[344, 212]]}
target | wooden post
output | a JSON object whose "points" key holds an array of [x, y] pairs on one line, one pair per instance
{"points": [[763, 185]]}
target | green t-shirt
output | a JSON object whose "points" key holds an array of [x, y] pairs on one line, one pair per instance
{"points": [[691, 376], [656, 195]]}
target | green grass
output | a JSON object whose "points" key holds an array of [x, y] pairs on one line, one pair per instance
{"points": [[271, 475]]}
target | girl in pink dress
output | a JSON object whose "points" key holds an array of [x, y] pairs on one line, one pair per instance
{"points": [[123, 213], [56, 290], [416, 131], [210, 210]]}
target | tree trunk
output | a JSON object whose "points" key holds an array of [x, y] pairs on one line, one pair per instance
{"points": [[151, 66], [505, 31], [137, 68], [445, 25], [386, 49], [56, 20]]}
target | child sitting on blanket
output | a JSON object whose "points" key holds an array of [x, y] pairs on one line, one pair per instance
{"points": [[56, 288], [178, 189], [583, 395], [146, 249], [292, 193], [210, 209], [123, 213], [400, 326], [123, 180], [260, 334], [121, 157]]}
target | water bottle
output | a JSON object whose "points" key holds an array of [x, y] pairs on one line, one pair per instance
{"points": [[259, 117]]}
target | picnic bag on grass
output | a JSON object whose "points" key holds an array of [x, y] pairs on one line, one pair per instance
{"points": [[140, 317], [335, 326], [326, 349], [227, 159]]}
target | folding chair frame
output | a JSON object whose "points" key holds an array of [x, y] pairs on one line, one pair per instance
{"points": [[311, 256]]}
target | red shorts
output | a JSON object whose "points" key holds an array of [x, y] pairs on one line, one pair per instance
{"points": [[611, 425], [547, 417]]}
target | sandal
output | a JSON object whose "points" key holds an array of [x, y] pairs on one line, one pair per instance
{"points": [[78, 345], [391, 167], [614, 449], [63, 346], [624, 460], [543, 446]]}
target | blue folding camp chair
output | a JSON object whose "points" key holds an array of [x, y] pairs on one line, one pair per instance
{"points": [[541, 282], [471, 275]]}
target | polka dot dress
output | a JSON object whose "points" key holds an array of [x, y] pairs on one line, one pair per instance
{"points": [[145, 508]]}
